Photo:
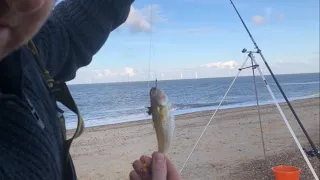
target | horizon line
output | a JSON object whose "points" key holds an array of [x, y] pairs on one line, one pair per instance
{"points": [[178, 79]]}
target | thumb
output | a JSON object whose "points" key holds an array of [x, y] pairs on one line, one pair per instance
{"points": [[25, 6], [159, 166]]}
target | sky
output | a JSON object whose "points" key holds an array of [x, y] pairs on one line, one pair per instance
{"points": [[183, 39]]}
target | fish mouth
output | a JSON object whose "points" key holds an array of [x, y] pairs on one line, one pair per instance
{"points": [[158, 97], [152, 91]]}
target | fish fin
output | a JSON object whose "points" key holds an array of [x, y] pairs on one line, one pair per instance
{"points": [[149, 110]]}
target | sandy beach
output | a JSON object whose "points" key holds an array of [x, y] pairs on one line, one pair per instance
{"points": [[231, 148]]}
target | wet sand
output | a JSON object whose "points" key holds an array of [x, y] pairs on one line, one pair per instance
{"points": [[231, 148]]}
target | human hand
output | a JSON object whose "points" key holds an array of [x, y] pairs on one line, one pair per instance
{"points": [[158, 167]]}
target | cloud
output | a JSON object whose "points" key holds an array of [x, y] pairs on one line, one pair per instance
{"points": [[129, 71], [258, 19], [222, 65], [108, 73], [103, 73], [153, 13], [295, 66], [141, 20], [269, 15], [305, 64], [306, 61], [137, 22]]}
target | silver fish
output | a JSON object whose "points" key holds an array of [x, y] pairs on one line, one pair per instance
{"points": [[162, 117]]}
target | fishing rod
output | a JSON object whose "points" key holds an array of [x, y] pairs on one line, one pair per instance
{"points": [[278, 85]]}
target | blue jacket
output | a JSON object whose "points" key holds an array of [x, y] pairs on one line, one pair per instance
{"points": [[31, 144]]}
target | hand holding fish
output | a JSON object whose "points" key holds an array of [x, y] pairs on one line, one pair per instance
{"points": [[162, 118], [159, 167]]}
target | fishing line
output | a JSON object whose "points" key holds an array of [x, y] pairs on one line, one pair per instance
{"points": [[195, 146], [150, 46]]}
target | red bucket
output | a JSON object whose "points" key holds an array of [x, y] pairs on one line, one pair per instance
{"points": [[286, 173]]}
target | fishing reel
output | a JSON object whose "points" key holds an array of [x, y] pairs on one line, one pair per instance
{"points": [[312, 153]]}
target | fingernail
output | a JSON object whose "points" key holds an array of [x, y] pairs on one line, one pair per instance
{"points": [[159, 157], [145, 168]]}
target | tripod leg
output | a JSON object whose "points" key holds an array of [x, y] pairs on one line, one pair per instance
{"points": [[258, 106], [194, 147], [286, 121]]}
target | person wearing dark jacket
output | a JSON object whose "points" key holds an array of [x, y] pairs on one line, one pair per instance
{"points": [[66, 38]]}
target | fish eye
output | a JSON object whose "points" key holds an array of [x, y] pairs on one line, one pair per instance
{"points": [[152, 91]]}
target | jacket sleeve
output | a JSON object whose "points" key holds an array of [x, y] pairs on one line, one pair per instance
{"points": [[75, 31]]}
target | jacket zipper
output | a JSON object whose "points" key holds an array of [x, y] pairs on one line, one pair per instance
{"points": [[35, 114]]}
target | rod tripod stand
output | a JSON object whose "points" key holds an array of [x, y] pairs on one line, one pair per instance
{"points": [[254, 65], [314, 151]]}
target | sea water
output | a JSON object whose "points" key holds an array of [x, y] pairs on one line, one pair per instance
{"points": [[113, 103]]}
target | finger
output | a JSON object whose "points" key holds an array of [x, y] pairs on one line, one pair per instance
{"points": [[134, 176], [146, 159], [146, 162], [25, 6], [172, 173], [137, 166], [159, 166]]}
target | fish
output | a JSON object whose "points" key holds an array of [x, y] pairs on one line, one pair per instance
{"points": [[163, 119]]}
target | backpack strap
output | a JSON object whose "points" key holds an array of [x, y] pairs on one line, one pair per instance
{"points": [[45, 72], [63, 96]]}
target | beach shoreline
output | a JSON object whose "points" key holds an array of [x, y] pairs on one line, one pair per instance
{"points": [[179, 116], [104, 104], [233, 138]]}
